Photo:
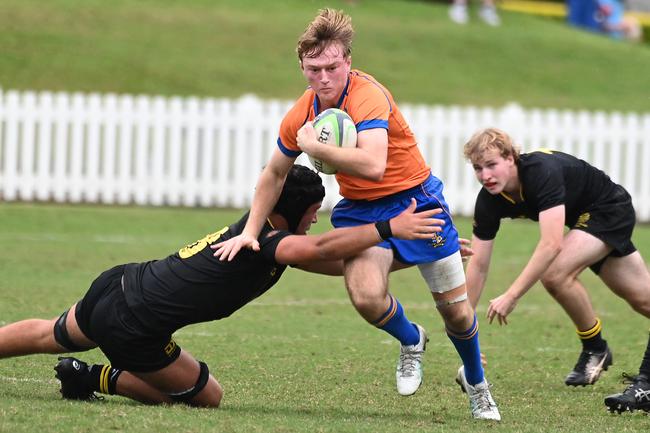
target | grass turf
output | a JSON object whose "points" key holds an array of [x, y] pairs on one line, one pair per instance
{"points": [[299, 359]]}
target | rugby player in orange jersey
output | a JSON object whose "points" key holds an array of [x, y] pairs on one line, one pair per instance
{"points": [[376, 178]]}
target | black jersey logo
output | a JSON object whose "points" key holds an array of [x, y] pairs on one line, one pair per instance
{"points": [[193, 248], [170, 347], [582, 220]]}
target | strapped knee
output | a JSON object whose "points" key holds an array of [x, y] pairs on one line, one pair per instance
{"points": [[187, 395], [62, 337], [456, 300], [445, 274]]}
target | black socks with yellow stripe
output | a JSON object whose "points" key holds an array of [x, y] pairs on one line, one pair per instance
{"points": [[645, 363], [592, 339], [103, 378]]}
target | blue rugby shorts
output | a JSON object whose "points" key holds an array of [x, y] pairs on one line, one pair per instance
{"points": [[350, 213]]}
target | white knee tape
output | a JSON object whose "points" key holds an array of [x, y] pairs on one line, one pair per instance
{"points": [[445, 274], [456, 300]]}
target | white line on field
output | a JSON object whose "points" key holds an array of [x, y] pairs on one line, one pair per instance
{"points": [[52, 237], [27, 379], [407, 305]]}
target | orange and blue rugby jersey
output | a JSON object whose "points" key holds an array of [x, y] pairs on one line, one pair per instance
{"points": [[370, 105]]}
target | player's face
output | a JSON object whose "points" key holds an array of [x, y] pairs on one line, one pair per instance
{"points": [[494, 172], [327, 74], [310, 217]]}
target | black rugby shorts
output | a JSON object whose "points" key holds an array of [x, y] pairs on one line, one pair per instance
{"points": [[612, 221], [104, 316]]}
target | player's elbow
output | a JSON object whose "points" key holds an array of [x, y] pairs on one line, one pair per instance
{"points": [[376, 172], [324, 251], [376, 177]]}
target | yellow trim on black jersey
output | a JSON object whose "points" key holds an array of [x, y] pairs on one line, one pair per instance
{"points": [[507, 197], [510, 199]]}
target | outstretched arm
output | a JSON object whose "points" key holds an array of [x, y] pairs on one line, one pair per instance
{"points": [[477, 268], [551, 225], [335, 267], [268, 189], [347, 241], [325, 267]]}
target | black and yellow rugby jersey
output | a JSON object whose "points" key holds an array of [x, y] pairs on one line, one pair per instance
{"points": [[548, 179], [193, 286]]}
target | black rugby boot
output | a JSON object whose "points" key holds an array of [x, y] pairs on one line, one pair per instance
{"points": [[73, 374], [589, 367], [635, 397]]}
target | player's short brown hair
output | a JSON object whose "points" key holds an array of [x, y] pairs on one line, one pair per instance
{"points": [[490, 139], [328, 27]]}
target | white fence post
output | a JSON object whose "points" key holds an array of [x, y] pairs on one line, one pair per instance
{"points": [[44, 153], [209, 152], [10, 154], [642, 200], [109, 172]]}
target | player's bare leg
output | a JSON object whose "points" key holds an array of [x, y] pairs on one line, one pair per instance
{"points": [[446, 281], [366, 278], [462, 330], [32, 336], [184, 381], [28, 337], [80, 381], [629, 278], [579, 250]]}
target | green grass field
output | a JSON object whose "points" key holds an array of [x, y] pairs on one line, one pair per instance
{"points": [[300, 359], [227, 48]]}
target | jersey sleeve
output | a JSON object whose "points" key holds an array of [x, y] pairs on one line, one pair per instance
{"points": [[487, 217], [370, 107], [544, 184], [292, 122], [269, 240]]}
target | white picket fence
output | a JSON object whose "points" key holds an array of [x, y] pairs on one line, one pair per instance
{"points": [[145, 150]]}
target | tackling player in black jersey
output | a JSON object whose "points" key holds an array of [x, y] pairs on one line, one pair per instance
{"points": [[131, 311], [558, 189]]}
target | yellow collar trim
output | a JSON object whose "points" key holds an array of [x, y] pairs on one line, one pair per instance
{"points": [[510, 199]]}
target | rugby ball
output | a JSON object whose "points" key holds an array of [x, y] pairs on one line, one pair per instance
{"points": [[336, 128]]}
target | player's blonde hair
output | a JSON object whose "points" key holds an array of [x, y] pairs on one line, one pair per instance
{"points": [[489, 139], [329, 26]]}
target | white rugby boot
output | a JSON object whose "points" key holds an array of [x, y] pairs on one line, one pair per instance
{"points": [[490, 16], [409, 365], [480, 399], [458, 14]]}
